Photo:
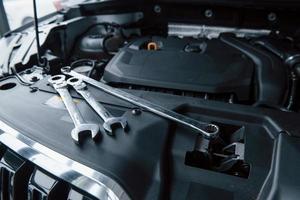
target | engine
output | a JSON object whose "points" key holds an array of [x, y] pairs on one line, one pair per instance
{"points": [[240, 85], [225, 68], [207, 67]]}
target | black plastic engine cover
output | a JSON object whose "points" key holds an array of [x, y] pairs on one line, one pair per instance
{"points": [[198, 65], [148, 161]]}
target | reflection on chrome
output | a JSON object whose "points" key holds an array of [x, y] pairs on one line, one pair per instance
{"points": [[78, 175]]}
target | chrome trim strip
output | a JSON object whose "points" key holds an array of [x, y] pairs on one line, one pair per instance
{"points": [[78, 175], [199, 31]]}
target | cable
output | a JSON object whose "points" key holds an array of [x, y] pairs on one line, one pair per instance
{"points": [[101, 64], [104, 44], [41, 61], [19, 78], [95, 65], [15, 77]]}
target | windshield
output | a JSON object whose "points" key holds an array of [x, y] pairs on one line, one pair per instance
{"points": [[20, 12]]}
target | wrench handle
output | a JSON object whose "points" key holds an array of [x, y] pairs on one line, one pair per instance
{"points": [[99, 109], [70, 105]]}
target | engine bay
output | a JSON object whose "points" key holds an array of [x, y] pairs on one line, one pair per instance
{"points": [[242, 80]]}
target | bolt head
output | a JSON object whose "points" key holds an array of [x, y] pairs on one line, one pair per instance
{"points": [[208, 13], [272, 17], [33, 90], [157, 9], [136, 112]]}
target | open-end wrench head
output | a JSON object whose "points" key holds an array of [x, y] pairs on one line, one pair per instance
{"points": [[92, 129], [107, 125]]}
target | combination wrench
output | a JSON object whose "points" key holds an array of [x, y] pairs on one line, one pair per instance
{"points": [[206, 129], [60, 85], [109, 119]]}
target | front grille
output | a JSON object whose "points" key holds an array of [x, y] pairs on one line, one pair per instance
{"points": [[29, 170], [21, 179], [15, 174], [42, 186]]}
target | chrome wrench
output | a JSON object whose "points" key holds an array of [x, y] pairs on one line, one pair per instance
{"points": [[207, 130], [59, 84], [109, 119]]}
